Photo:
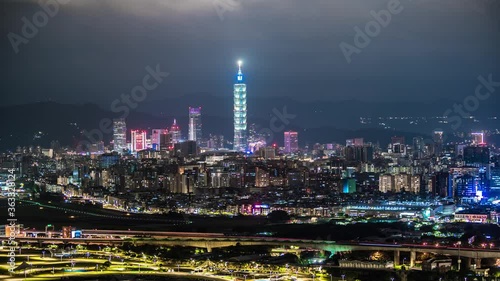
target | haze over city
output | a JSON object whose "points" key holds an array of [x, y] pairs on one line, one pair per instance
{"points": [[235, 140]]}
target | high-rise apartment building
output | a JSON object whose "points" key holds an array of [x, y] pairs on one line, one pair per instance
{"points": [[386, 183]]}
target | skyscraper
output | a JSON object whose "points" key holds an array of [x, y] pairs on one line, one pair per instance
{"points": [[138, 140], [291, 142], [418, 147], [240, 112], [438, 142], [156, 138], [478, 138], [119, 135], [175, 132], [195, 124]]}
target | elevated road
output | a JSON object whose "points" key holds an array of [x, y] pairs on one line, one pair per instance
{"points": [[218, 240]]}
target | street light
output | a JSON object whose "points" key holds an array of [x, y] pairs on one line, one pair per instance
{"points": [[459, 260], [343, 276]]}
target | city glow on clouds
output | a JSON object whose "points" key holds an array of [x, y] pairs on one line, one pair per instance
{"points": [[145, 8], [340, 9]]}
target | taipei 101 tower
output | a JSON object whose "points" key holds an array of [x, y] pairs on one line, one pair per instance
{"points": [[240, 112]]}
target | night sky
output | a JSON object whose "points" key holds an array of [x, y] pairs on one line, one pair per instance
{"points": [[94, 50]]}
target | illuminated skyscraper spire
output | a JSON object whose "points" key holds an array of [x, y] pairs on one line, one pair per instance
{"points": [[240, 112]]}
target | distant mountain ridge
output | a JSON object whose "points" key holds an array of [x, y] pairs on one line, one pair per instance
{"points": [[316, 121]]}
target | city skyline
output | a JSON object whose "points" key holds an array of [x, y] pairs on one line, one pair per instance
{"points": [[250, 140]]}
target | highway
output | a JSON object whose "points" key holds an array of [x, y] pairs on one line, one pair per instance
{"points": [[216, 240]]}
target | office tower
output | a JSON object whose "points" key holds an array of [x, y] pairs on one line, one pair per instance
{"points": [[186, 149], [195, 124], [166, 142], [240, 112], [477, 156], [438, 142], [495, 178], [268, 152], [478, 138], [354, 142], [175, 133], [359, 153], [442, 185], [119, 135], [291, 142], [418, 147], [138, 140], [156, 138], [465, 186]]}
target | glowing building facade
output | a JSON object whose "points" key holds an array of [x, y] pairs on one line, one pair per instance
{"points": [[195, 124], [175, 133], [119, 135], [138, 140], [156, 138], [291, 141], [240, 112]]}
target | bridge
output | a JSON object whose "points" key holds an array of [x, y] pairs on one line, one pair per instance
{"points": [[210, 241]]}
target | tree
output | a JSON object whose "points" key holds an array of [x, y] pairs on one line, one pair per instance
{"points": [[278, 216], [106, 264]]}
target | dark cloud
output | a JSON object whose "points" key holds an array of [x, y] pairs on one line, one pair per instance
{"points": [[93, 50]]}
